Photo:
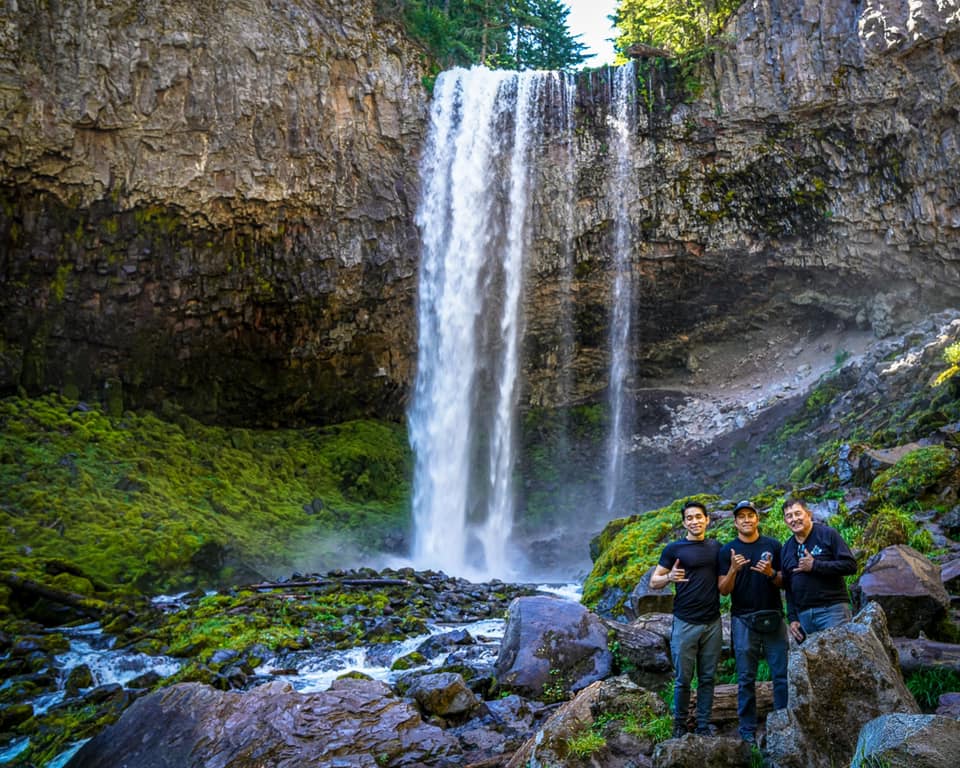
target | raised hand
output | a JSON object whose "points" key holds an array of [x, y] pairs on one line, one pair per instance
{"points": [[677, 573], [737, 561]]}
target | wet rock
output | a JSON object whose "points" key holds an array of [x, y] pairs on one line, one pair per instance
{"points": [[444, 694], [908, 741], [551, 646], [839, 680], [11, 716], [79, 677], [357, 723], [442, 643], [908, 588]]}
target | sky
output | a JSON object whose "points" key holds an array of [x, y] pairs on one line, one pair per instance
{"points": [[589, 19]]}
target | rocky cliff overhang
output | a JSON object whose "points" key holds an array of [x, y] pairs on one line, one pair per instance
{"points": [[213, 202]]}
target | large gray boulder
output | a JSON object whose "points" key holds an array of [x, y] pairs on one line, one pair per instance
{"points": [[909, 741], [551, 647], [908, 587], [357, 723], [839, 680]]}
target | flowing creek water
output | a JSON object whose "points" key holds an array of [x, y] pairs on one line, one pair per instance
{"points": [[305, 671]]}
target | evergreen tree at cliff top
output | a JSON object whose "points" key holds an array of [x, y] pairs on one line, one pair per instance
{"points": [[527, 34]]}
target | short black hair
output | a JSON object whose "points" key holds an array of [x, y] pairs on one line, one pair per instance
{"points": [[693, 503]]}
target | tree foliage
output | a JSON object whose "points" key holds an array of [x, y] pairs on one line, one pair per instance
{"points": [[682, 26], [525, 34]]}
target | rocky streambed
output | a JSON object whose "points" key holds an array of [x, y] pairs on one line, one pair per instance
{"points": [[63, 685]]}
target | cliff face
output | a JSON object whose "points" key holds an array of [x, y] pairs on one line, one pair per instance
{"points": [[210, 202], [812, 184]]}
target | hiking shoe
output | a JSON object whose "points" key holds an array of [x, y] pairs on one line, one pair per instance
{"points": [[706, 730], [749, 738], [679, 729]]}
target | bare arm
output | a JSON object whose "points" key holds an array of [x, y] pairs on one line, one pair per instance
{"points": [[663, 576]]}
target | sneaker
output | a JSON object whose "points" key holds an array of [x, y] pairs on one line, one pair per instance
{"points": [[679, 729], [706, 730], [749, 738]]}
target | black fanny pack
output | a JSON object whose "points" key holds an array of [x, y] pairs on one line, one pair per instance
{"points": [[763, 621]]}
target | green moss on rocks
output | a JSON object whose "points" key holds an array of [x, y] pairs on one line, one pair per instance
{"points": [[167, 503]]}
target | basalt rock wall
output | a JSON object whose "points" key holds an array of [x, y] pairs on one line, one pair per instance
{"points": [[812, 184], [213, 202], [210, 203]]}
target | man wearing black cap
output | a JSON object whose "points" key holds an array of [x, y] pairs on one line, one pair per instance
{"points": [[749, 568]]}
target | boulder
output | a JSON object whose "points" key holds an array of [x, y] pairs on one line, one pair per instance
{"points": [[908, 741], [949, 705], [908, 587], [357, 723], [550, 647], [950, 576], [644, 599], [444, 694], [693, 751], [606, 698], [839, 680], [643, 654]]}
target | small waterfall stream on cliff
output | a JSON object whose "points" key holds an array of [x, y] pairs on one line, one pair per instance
{"points": [[623, 121], [473, 219]]}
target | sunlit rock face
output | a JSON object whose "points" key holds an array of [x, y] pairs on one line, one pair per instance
{"points": [[210, 203], [812, 182], [214, 204]]}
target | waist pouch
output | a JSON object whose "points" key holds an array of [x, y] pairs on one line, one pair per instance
{"points": [[763, 621]]}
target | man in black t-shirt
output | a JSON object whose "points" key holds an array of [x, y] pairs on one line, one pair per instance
{"points": [[697, 638], [749, 569]]}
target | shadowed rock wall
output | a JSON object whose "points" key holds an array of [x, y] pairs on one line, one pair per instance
{"points": [[209, 202]]}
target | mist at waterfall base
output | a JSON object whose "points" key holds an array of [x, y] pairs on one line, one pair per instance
{"points": [[487, 131]]}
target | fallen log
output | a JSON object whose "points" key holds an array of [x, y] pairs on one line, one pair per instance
{"points": [[919, 653], [724, 710], [330, 582], [88, 606]]}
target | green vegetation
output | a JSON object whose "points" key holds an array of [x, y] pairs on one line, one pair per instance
{"points": [[168, 503], [952, 356], [530, 34], [914, 474], [681, 27], [586, 743], [927, 685]]}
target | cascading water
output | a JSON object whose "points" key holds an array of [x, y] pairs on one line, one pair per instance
{"points": [[473, 219], [622, 121]]}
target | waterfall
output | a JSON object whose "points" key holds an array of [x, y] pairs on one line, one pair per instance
{"points": [[622, 120], [473, 221]]}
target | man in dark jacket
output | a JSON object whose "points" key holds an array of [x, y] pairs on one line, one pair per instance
{"points": [[696, 641], [749, 568], [815, 560]]}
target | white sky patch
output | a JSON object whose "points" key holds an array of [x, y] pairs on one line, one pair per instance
{"points": [[588, 18]]}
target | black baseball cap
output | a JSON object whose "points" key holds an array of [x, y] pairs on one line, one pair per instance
{"points": [[745, 504]]}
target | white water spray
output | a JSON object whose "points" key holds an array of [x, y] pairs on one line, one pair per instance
{"points": [[623, 122], [473, 219]]}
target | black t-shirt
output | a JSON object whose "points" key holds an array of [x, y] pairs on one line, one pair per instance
{"points": [[752, 591], [697, 600], [824, 585]]}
